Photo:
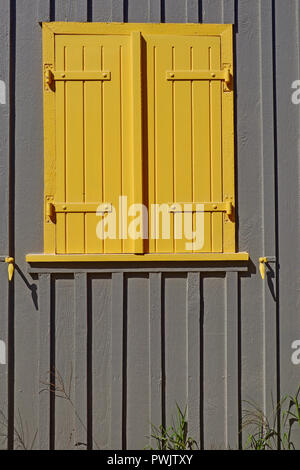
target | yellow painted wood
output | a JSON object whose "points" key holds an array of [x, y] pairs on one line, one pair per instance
{"points": [[216, 151], [86, 207], [75, 155], [201, 142], [228, 144], [126, 125], [160, 134], [137, 137], [49, 141], [115, 58], [105, 138], [191, 29], [49, 258], [82, 75], [182, 140], [187, 74], [59, 133], [205, 207], [93, 144]]}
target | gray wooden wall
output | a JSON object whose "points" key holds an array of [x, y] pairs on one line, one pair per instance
{"points": [[132, 342]]}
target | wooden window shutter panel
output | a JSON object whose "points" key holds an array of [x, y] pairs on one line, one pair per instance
{"points": [[96, 147]]}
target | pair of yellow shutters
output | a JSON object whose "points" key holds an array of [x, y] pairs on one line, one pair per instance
{"points": [[143, 111]]}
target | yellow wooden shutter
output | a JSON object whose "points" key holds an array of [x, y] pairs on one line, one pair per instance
{"points": [[142, 111], [189, 115]]}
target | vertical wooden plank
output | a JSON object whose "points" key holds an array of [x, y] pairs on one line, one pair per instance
{"points": [[201, 141], [113, 50], [102, 10], [75, 155], [65, 327], [268, 204], [43, 10], [193, 354], [192, 11], [151, 113], [175, 340], [175, 11], [93, 141], [214, 401], [126, 126], [49, 141], [161, 131], [117, 10], [43, 436], [155, 311], [249, 196], [138, 11], [27, 213], [216, 151], [182, 126], [58, 148], [155, 11], [100, 352], [137, 131], [212, 11], [70, 10], [80, 371], [231, 362], [286, 21], [138, 361], [6, 68], [228, 11], [117, 378], [228, 150]]}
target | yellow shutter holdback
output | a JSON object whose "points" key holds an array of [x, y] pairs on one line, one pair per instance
{"points": [[10, 262]]}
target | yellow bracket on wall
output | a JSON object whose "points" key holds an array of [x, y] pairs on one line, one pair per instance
{"points": [[10, 261], [262, 264]]}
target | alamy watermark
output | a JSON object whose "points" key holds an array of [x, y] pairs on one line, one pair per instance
{"points": [[295, 358], [187, 223], [296, 94], [2, 352]]}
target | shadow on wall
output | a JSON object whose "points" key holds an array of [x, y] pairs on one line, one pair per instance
{"points": [[32, 287]]}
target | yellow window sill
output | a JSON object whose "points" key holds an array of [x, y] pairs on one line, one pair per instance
{"points": [[65, 258]]}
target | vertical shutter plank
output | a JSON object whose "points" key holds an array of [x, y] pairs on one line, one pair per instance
{"points": [[201, 141], [163, 158], [93, 133], [49, 132], [60, 163], [228, 144], [182, 155], [137, 142], [75, 190], [112, 129], [216, 152], [151, 137]]}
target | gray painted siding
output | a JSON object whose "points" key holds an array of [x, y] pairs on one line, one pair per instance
{"points": [[134, 342]]}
